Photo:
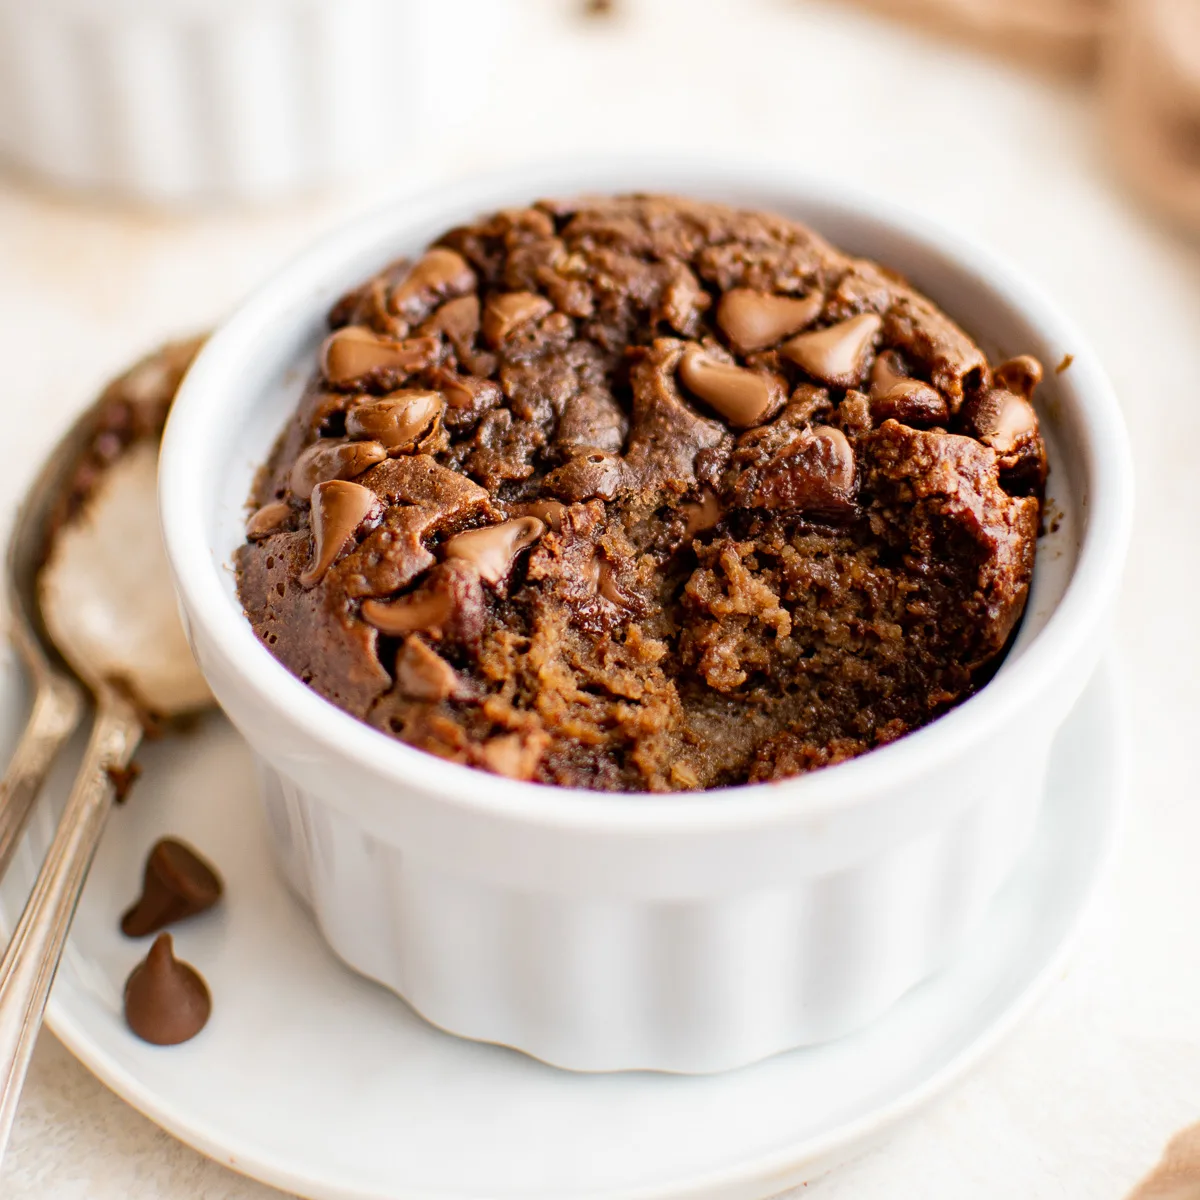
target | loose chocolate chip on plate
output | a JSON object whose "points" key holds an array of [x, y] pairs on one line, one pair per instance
{"points": [[754, 320], [492, 550], [339, 509], [176, 883], [166, 1001], [743, 397], [837, 356]]}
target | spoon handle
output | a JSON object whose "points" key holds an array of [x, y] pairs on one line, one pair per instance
{"points": [[31, 958], [57, 708]]}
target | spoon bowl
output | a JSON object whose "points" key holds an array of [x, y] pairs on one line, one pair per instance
{"points": [[92, 612]]}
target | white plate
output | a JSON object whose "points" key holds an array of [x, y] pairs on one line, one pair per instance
{"points": [[312, 1079]]}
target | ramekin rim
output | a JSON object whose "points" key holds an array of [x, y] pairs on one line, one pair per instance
{"points": [[1076, 617]]}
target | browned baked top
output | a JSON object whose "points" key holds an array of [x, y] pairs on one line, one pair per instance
{"points": [[645, 494]]}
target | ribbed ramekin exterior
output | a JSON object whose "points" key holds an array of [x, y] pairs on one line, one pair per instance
{"points": [[597, 980], [176, 101]]}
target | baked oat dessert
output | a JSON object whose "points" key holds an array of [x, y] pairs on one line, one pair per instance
{"points": [[646, 494]]}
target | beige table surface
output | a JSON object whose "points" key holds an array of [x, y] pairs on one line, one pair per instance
{"points": [[1078, 1102]]}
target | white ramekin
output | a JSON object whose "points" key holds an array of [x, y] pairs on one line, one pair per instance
{"points": [[191, 101], [681, 933]]}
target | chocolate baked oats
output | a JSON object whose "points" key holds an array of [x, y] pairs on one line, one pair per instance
{"points": [[646, 494]]}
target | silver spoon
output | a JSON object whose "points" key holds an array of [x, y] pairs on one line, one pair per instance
{"points": [[93, 611]]}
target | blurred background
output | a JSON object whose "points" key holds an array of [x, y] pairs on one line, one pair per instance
{"points": [[160, 157]]}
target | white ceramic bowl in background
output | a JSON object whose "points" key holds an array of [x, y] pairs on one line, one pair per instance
{"points": [[684, 933], [193, 101]]}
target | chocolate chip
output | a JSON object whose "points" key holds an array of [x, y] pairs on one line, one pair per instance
{"points": [[548, 511], [396, 421], [266, 520], [356, 353], [423, 674], [838, 355], [606, 584], [590, 474], [176, 883], [1020, 375], [1000, 419], [492, 550], [895, 394], [458, 319], [463, 392], [339, 509], [166, 1001], [438, 272], [513, 755], [743, 397], [449, 605], [326, 460], [702, 514], [424, 611], [505, 313], [754, 320], [814, 474]]}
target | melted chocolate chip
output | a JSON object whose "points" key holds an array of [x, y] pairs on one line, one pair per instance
{"points": [[743, 397], [327, 460], [504, 314], [166, 1001], [895, 394], [438, 272], [423, 674], [448, 605], [512, 755], [1020, 376], [1001, 419], [264, 521], [420, 611], [836, 356], [397, 421], [549, 511], [492, 550], [701, 515], [355, 353], [176, 883], [339, 509], [754, 320]]}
